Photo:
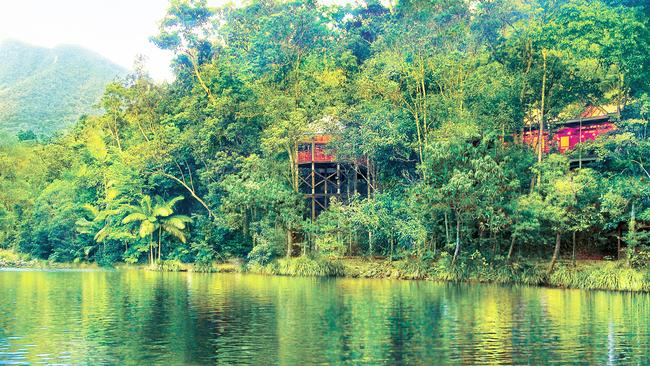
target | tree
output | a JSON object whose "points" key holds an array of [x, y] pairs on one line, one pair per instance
{"points": [[157, 216], [185, 30]]}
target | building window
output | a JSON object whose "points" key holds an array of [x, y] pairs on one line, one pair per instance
{"points": [[564, 142]]}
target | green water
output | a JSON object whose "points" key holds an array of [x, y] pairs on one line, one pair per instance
{"points": [[143, 318]]}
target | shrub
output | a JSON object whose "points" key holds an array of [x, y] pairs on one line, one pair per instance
{"points": [[263, 253], [602, 276], [304, 266], [9, 258], [414, 270], [171, 265], [203, 267]]}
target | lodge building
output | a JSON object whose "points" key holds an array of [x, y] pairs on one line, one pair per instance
{"points": [[593, 122], [321, 176]]}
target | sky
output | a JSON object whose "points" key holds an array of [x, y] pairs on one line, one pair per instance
{"points": [[116, 29]]}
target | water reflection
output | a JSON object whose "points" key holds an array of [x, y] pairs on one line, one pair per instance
{"points": [[136, 317]]}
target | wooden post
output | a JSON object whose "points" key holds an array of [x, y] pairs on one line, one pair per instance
{"points": [[325, 184], [347, 183], [356, 177], [580, 147], [338, 180], [313, 180]]}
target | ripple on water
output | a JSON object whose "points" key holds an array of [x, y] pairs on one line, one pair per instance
{"points": [[132, 317]]}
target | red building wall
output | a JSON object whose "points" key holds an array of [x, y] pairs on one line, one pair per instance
{"points": [[321, 153], [566, 138]]}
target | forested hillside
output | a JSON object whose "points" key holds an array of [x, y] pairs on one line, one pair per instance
{"points": [[435, 94], [47, 90]]}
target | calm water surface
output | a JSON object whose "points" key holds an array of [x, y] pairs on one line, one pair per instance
{"points": [[143, 318]]}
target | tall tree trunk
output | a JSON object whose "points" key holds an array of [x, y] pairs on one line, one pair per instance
{"points": [[574, 248], [580, 144], [618, 242], [512, 247], [446, 228], [632, 234], [349, 243], [457, 250], [151, 250], [159, 244], [556, 252], [435, 245], [289, 243], [195, 67], [540, 139], [116, 134]]}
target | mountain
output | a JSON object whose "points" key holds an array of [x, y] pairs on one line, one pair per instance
{"points": [[47, 90]]}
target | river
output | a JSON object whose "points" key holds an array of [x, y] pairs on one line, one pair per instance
{"points": [[132, 317]]}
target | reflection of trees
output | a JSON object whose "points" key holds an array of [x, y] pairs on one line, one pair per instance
{"points": [[234, 316], [139, 317]]}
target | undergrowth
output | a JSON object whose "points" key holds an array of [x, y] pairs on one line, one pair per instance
{"points": [[472, 268], [303, 266], [600, 276]]}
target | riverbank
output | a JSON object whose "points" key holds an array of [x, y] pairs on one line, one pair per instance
{"points": [[11, 259], [591, 275]]}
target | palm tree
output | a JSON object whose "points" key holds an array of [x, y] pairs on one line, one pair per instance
{"points": [[102, 226], [157, 217], [175, 225]]}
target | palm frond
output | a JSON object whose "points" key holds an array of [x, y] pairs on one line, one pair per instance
{"points": [[162, 211], [146, 228], [173, 201], [178, 221], [102, 234], [83, 226], [136, 216], [94, 211], [179, 234], [103, 215], [145, 203], [158, 201], [111, 194]]}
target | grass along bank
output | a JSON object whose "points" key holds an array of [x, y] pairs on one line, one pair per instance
{"points": [[9, 258], [12, 259], [594, 275]]}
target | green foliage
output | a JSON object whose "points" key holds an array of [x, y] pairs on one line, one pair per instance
{"points": [[435, 97], [303, 266], [307, 266], [46, 90], [605, 276], [262, 253], [156, 217], [10, 258], [171, 265]]}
